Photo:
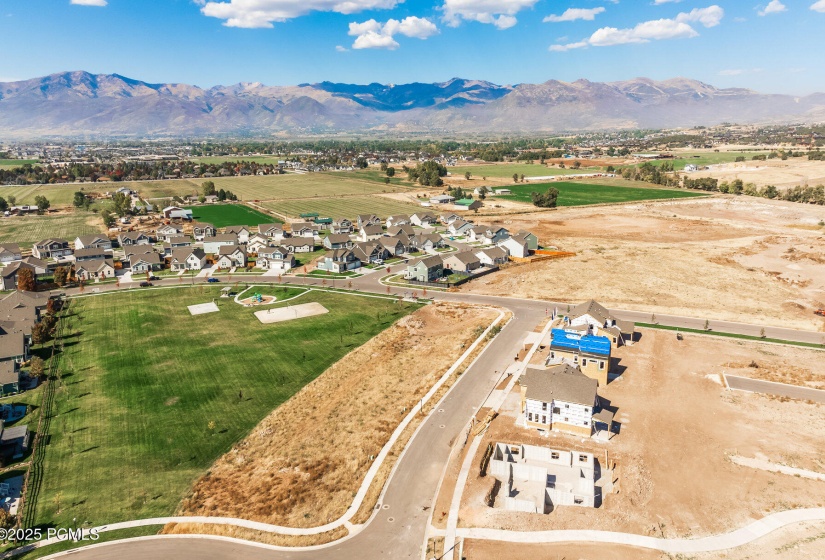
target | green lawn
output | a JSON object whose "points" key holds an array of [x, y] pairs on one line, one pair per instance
{"points": [[507, 169], [151, 395], [222, 215], [27, 230], [348, 207], [15, 163], [581, 194]]}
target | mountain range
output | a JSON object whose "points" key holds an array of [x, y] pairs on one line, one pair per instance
{"points": [[80, 104]]}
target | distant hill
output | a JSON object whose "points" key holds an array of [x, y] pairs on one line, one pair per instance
{"points": [[82, 104]]}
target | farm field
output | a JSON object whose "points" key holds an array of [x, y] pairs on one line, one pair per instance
{"points": [[581, 194], [222, 215], [58, 195], [28, 230], [704, 158], [349, 206], [151, 396], [501, 170], [13, 163]]}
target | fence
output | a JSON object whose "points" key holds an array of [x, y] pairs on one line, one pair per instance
{"points": [[542, 255], [34, 475], [450, 284]]}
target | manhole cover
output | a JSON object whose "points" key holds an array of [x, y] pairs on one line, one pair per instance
{"points": [[442, 426], [391, 519], [385, 506], [440, 410]]}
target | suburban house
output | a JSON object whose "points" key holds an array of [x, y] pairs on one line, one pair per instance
{"points": [[394, 245], [9, 378], [128, 238], [531, 239], [41, 267], [94, 268], [370, 251], [487, 234], [442, 199], [14, 346], [428, 269], [257, 242], [10, 252], [211, 245], [9, 274], [423, 220], [302, 229], [188, 258], [397, 220], [275, 258], [173, 212], [459, 227], [589, 352], [558, 398], [516, 246], [591, 317], [339, 260], [502, 191], [86, 241], [337, 241], [323, 223], [272, 231], [202, 230], [167, 231], [144, 262], [90, 253], [299, 244], [370, 232], [175, 243], [447, 219], [341, 225], [242, 232], [464, 262], [51, 249], [492, 256], [368, 219], [230, 256], [14, 442], [539, 479], [426, 241], [397, 231]]}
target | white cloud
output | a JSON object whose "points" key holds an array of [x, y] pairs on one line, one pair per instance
{"points": [[252, 14], [773, 7], [654, 30], [818, 6], [341, 48], [709, 17], [99, 3], [500, 13], [371, 34], [660, 2], [739, 71], [573, 14]]}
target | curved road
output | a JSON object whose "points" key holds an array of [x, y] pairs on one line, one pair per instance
{"points": [[399, 527]]}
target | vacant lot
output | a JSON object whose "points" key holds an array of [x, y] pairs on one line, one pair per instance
{"points": [[151, 396], [679, 428], [27, 230], [345, 206], [581, 194], [304, 463], [58, 195], [222, 215], [716, 258]]}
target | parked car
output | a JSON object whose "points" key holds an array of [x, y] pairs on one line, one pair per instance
{"points": [[378, 261], [154, 278], [213, 280], [145, 284]]}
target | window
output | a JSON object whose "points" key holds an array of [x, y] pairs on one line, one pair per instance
{"points": [[584, 362], [544, 406], [543, 419], [556, 410], [601, 365], [578, 501], [530, 416], [582, 458], [567, 419], [585, 423], [554, 455], [566, 406], [586, 409]]}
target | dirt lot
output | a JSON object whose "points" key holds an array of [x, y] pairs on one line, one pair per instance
{"points": [[805, 541], [679, 427], [302, 465], [788, 173], [734, 258]]}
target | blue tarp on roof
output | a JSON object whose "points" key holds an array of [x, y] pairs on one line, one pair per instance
{"points": [[591, 344]]}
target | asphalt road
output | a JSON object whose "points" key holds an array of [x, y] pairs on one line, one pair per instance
{"points": [[398, 531], [771, 388]]}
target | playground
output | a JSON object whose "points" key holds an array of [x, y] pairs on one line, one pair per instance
{"points": [[258, 299]]}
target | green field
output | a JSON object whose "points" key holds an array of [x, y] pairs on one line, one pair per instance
{"points": [[581, 194], [703, 158], [507, 170], [27, 230], [14, 163], [222, 215], [151, 396], [348, 207]]}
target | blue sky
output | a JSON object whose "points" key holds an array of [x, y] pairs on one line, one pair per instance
{"points": [[767, 45]]}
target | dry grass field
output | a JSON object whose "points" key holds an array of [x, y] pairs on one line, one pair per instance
{"points": [[734, 258], [27, 230], [347, 206], [679, 428], [302, 465], [788, 173]]}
